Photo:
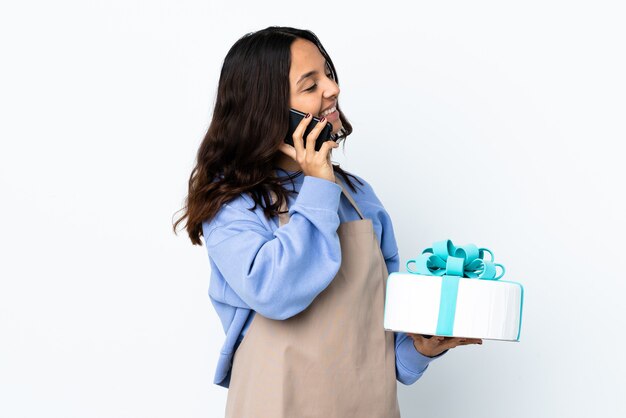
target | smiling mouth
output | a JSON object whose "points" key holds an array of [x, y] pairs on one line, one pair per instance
{"points": [[329, 111]]}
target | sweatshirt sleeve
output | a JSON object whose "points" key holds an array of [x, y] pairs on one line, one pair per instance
{"points": [[410, 363], [278, 274]]}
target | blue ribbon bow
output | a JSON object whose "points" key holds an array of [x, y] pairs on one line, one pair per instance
{"points": [[443, 258], [453, 263]]}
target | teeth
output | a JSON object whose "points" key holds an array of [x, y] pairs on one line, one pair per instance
{"points": [[331, 110]]}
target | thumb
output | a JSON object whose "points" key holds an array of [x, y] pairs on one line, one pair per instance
{"points": [[415, 337]]}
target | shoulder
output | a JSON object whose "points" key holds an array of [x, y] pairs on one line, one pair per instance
{"points": [[236, 212], [365, 191]]}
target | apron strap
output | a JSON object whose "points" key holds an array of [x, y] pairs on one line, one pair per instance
{"points": [[349, 196], [283, 218]]}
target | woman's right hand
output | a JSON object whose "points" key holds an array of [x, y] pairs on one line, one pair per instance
{"points": [[313, 163]]}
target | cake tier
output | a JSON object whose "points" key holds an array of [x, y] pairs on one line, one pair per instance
{"points": [[489, 309]]}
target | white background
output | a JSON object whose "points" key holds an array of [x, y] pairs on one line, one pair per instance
{"points": [[491, 122]]}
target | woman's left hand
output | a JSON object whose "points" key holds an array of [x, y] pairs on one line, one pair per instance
{"points": [[436, 345]]}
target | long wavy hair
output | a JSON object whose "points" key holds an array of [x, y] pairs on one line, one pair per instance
{"points": [[250, 120]]}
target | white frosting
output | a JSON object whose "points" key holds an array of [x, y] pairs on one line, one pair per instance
{"points": [[488, 309]]}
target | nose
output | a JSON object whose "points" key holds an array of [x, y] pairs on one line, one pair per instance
{"points": [[332, 89]]}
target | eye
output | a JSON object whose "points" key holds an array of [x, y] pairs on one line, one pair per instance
{"points": [[315, 85]]}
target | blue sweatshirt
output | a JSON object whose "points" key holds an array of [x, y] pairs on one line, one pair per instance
{"points": [[255, 264]]}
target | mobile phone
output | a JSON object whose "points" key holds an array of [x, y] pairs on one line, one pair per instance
{"points": [[295, 116]]}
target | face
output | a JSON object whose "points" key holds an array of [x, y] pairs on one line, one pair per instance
{"points": [[312, 90]]}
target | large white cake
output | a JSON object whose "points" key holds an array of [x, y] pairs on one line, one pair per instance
{"points": [[489, 309]]}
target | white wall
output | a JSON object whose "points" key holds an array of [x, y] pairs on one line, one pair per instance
{"points": [[497, 123]]}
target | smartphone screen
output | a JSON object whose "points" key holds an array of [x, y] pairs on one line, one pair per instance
{"points": [[295, 116]]}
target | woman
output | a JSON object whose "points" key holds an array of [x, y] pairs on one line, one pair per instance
{"points": [[299, 253]]}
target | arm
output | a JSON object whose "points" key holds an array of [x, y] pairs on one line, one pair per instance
{"points": [[271, 272]]}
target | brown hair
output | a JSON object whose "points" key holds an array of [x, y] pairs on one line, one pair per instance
{"points": [[250, 121]]}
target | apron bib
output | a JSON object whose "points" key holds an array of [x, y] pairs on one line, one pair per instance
{"points": [[332, 360]]}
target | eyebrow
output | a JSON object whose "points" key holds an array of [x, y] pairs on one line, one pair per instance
{"points": [[305, 75]]}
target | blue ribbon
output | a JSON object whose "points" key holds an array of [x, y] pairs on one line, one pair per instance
{"points": [[452, 263], [443, 258]]}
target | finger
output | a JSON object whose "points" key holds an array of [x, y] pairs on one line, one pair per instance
{"points": [[325, 149], [465, 343], [469, 340], [298, 142], [455, 342], [452, 342], [288, 150], [312, 136], [432, 341]]}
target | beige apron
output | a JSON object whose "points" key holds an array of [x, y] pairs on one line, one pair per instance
{"points": [[334, 359]]}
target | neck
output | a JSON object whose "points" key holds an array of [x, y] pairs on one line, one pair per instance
{"points": [[287, 163]]}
